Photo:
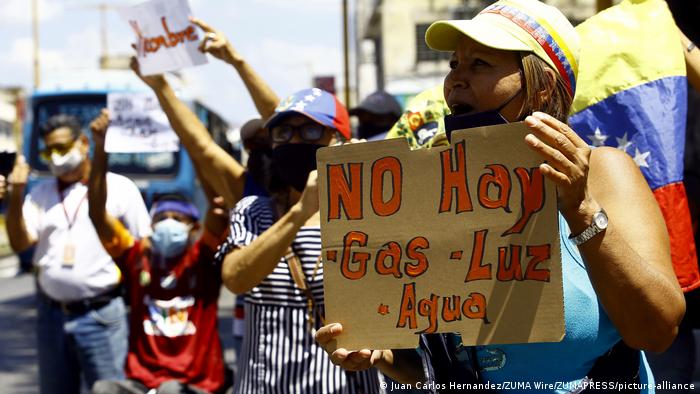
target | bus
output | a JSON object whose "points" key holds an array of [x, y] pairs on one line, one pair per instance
{"points": [[84, 96]]}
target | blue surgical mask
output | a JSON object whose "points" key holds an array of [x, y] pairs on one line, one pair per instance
{"points": [[170, 237]]}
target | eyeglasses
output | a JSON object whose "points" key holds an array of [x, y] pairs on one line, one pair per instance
{"points": [[59, 149], [308, 132]]}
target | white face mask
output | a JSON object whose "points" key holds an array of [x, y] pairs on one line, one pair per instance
{"points": [[63, 164]]}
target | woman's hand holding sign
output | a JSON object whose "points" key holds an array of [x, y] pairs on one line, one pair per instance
{"points": [[350, 360], [402, 365], [567, 158]]}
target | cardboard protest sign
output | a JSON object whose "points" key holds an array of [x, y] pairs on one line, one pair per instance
{"points": [[166, 39], [138, 124], [461, 238]]}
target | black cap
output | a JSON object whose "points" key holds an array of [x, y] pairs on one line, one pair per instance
{"points": [[379, 103], [250, 128]]}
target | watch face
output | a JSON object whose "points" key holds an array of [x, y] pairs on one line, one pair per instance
{"points": [[601, 220]]}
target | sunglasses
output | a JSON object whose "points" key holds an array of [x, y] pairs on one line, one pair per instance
{"points": [[61, 149], [308, 132]]}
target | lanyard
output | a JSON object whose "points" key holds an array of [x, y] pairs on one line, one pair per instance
{"points": [[65, 212]]}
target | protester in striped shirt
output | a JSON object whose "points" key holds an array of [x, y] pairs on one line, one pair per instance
{"points": [[273, 257]]}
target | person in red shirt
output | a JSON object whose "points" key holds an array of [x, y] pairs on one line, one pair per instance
{"points": [[173, 288]]}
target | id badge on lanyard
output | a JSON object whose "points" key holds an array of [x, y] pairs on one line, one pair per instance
{"points": [[69, 246]]}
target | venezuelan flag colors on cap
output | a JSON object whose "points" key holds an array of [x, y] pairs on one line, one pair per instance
{"points": [[633, 96], [317, 105], [517, 25]]}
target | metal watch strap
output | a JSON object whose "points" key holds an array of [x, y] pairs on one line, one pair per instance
{"points": [[589, 232]]}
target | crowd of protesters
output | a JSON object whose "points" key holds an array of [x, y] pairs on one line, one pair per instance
{"points": [[261, 237]]}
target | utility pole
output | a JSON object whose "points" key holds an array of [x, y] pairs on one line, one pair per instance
{"points": [[603, 4], [103, 30], [35, 39], [102, 7], [346, 54]]}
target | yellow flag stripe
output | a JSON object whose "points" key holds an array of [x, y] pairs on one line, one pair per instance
{"points": [[625, 46]]}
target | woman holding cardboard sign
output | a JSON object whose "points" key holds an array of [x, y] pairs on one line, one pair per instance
{"points": [[517, 61]]}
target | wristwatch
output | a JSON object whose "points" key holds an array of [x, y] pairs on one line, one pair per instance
{"points": [[598, 225]]}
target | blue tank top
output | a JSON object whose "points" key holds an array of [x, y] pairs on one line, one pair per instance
{"points": [[589, 334]]}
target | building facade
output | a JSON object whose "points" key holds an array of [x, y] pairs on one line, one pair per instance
{"points": [[391, 50]]}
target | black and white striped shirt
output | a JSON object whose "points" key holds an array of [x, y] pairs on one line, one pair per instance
{"points": [[279, 353]]}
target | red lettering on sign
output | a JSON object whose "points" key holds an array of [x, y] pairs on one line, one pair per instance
{"points": [[407, 314], [477, 271], [344, 192], [413, 252], [513, 271], [532, 186], [474, 307], [386, 166], [539, 254], [499, 178], [391, 250], [360, 258], [171, 39], [429, 308], [454, 181], [451, 310]]}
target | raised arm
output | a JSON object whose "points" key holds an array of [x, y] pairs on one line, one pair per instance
{"points": [[216, 220], [217, 45], [225, 175], [19, 237], [113, 235], [630, 262], [244, 268]]}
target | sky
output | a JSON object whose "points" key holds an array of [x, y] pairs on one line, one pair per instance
{"points": [[287, 42]]}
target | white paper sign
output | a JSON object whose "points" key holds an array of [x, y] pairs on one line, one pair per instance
{"points": [[138, 124], [166, 40]]}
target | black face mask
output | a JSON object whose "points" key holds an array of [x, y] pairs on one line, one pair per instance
{"points": [[259, 166], [479, 119], [294, 162]]}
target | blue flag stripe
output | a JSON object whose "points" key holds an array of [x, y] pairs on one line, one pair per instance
{"points": [[647, 122]]}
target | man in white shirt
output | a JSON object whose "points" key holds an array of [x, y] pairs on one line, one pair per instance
{"points": [[81, 323]]}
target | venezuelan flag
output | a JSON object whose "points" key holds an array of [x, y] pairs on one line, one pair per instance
{"points": [[632, 95]]}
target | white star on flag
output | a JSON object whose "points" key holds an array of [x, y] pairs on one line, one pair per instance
{"points": [[316, 92], [641, 158], [623, 143], [309, 98], [597, 138], [299, 106]]}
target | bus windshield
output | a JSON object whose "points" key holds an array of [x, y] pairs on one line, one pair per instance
{"points": [[86, 107]]}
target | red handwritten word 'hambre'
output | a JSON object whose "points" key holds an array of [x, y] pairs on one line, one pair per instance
{"points": [[148, 45]]}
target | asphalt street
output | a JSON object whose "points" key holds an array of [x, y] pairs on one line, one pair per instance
{"points": [[18, 366]]}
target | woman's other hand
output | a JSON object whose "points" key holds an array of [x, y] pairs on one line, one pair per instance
{"points": [[358, 360]]}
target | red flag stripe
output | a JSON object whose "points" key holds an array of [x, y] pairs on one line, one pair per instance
{"points": [[674, 206]]}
